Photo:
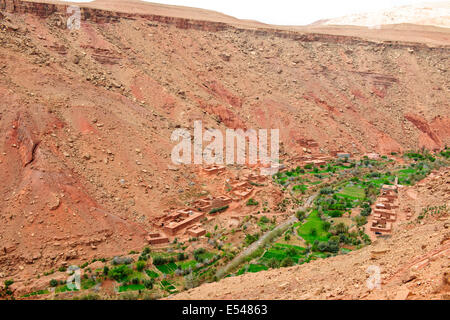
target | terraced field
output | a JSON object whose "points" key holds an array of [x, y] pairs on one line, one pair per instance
{"points": [[168, 268], [353, 192], [313, 228]]}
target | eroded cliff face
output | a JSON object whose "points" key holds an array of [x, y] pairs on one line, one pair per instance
{"points": [[87, 115], [45, 10]]}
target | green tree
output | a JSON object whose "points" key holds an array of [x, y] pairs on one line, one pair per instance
{"points": [[300, 215], [341, 228], [140, 265], [105, 270], [120, 273], [148, 284], [273, 263]]}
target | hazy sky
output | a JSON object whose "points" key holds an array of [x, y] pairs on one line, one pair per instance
{"points": [[289, 12]]}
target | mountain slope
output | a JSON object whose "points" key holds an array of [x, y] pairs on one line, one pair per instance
{"points": [[87, 115]]}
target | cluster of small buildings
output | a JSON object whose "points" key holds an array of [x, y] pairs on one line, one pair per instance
{"points": [[174, 222], [384, 214], [242, 187], [188, 221], [210, 202], [155, 238], [314, 160]]}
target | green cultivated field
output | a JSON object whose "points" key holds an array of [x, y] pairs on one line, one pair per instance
{"points": [[313, 222], [252, 268], [186, 264], [352, 192], [168, 268], [152, 274], [131, 287], [168, 286]]}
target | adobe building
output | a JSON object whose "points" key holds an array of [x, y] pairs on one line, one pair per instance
{"points": [[387, 215], [316, 163], [182, 222], [207, 204], [202, 205], [384, 214], [387, 203], [242, 189], [389, 193], [156, 238], [255, 178], [388, 188], [381, 226], [196, 231]]}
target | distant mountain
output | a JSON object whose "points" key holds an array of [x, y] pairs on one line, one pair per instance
{"points": [[434, 14]]}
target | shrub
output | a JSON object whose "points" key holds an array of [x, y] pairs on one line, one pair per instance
{"points": [[264, 219], [249, 239], [140, 265], [324, 191], [158, 260], [360, 220], [148, 284], [198, 252], [218, 210], [181, 256], [291, 251], [335, 213], [287, 262], [333, 246], [143, 257], [322, 246], [105, 270], [273, 263], [120, 273], [366, 211], [252, 202], [53, 283], [300, 215], [341, 228], [8, 283]]}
